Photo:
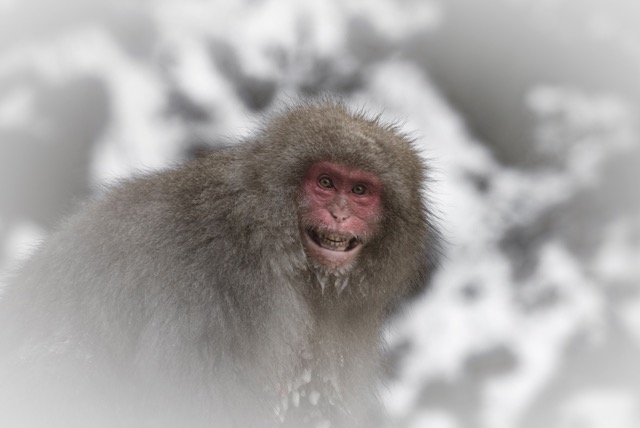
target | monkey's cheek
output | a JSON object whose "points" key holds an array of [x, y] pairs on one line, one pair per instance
{"points": [[332, 259]]}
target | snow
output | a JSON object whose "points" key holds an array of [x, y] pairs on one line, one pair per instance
{"points": [[513, 278]]}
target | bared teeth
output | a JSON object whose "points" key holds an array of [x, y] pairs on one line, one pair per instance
{"points": [[333, 240]]}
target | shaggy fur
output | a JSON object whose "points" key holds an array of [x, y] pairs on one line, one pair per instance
{"points": [[185, 298]]}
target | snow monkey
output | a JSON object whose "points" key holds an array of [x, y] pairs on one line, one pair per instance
{"points": [[245, 288]]}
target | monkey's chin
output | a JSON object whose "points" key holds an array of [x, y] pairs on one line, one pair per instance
{"points": [[331, 249]]}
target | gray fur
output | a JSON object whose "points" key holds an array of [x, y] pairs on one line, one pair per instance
{"points": [[185, 298]]}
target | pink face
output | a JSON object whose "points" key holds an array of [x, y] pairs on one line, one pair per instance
{"points": [[341, 209]]}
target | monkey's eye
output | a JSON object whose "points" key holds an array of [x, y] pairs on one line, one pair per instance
{"points": [[325, 182], [359, 189]]}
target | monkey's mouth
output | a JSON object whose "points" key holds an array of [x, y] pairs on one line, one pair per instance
{"points": [[334, 250], [333, 241]]}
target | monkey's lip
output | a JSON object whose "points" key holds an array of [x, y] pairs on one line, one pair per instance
{"points": [[333, 241], [332, 249]]}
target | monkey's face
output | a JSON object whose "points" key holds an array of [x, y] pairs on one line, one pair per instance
{"points": [[340, 210]]}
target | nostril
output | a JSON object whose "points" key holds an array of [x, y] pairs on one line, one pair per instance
{"points": [[339, 216]]}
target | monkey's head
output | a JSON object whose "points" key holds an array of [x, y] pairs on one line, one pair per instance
{"points": [[340, 209], [355, 186]]}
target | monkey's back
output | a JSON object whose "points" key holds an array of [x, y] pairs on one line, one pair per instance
{"points": [[150, 278]]}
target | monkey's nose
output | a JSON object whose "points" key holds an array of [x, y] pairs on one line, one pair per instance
{"points": [[339, 215]]}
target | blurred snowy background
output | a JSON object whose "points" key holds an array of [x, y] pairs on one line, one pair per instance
{"points": [[527, 109]]}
